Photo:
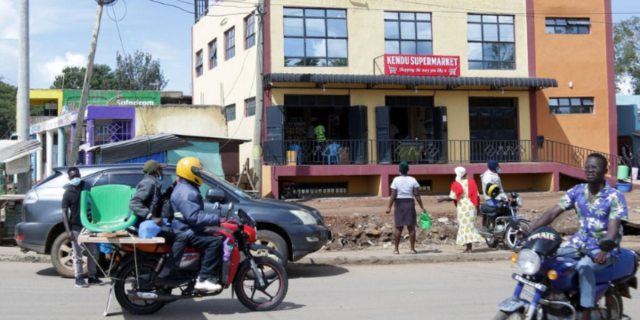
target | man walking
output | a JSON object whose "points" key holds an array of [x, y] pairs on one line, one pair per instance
{"points": [[73, 226]]}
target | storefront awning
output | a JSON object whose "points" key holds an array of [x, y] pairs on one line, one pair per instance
{"points": [[372, 80], [15, 155]]}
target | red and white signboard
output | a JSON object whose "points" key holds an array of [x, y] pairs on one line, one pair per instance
{"points": [[421, 65]]}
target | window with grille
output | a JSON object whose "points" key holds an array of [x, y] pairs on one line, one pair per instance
{"points": [[199, 63], [571, 105], [491, 42], [231, 112], [568, 26], [249, 31], [407, 33], [230, 43], [315, 37], [213, 54]]}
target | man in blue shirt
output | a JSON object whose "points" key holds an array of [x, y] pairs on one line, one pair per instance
{"points": [[601, 210]]}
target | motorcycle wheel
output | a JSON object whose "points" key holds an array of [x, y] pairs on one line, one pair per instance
{"points": [[248, 289], [127, 281], [511, 235], [501, 315], [613, 305], [492, 242]]}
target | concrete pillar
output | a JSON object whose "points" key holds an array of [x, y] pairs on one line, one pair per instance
{"points": [[39, 159], [61, 147], [49, 153], [90, 138]]}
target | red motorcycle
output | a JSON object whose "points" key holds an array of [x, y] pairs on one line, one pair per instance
{"points": [[260, 283]]}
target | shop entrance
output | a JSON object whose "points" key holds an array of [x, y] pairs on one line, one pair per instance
{"points": [[292, 127], [411, 129], [494, 129]]}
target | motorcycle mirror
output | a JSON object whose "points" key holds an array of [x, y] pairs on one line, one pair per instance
{"points": [[607, 245]]}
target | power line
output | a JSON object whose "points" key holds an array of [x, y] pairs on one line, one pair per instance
{"points": [[172, 5], [2, 78]]}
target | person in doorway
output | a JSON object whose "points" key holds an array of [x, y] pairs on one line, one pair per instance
{"points": [[404, 189], [311, 138], [393, 131], [601, 210], [321, 140], [464, 194], [190, 218], [491, 176], [147, 204], [73, 227], [627, 154]]}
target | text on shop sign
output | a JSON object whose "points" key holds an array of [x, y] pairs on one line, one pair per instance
{"points": [[421, 65]]}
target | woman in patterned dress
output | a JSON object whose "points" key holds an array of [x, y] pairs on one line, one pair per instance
{"points": [[464, 194]]}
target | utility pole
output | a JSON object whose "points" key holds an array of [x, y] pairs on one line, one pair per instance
{"points": [[24, 179], [257, 126], [73, 157]]}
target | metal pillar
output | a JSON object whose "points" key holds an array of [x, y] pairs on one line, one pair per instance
{"points": [[61, 148], [90, 138], [39, 159]]}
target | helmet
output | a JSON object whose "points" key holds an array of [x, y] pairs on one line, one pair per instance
{"points": [[185, 170], [493, 190]]}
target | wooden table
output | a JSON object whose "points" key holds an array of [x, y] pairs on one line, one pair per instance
{"points": [[89, 238]]}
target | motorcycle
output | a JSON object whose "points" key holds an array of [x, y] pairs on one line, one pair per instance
{"points": [[495, 225], [555, 284], [260, 283]]}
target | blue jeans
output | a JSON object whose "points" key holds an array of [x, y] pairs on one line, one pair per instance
{"points": [[586, 271]]}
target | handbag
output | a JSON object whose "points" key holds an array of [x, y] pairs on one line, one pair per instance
{"points": [[425, 221]]}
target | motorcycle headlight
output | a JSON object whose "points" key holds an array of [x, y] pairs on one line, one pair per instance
{"points": [[519, 201], [306, 217], [528, 261]]}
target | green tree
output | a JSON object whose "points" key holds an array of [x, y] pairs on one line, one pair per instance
{"points": [[139, 72], [73, 77], [626, 46], [7, 109]]}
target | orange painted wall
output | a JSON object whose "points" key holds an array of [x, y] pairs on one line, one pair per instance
{"points": [[581, 59]]}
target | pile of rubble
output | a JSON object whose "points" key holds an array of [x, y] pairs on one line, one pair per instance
{"points": [[360, 231]]}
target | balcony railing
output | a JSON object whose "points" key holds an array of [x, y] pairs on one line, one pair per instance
{"points": [[349, 152]]}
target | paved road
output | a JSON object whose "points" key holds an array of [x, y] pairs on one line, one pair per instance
{"points": [[432, 291]]}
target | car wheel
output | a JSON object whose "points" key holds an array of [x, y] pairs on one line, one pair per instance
{"points": [[62, 257], [275, 241]]}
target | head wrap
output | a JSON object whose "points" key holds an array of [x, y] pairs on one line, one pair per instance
{"points": [[404, 167], [492, 164], [460, 172]]}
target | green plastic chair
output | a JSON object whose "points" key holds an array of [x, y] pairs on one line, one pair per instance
{"points": [[109, 208]]}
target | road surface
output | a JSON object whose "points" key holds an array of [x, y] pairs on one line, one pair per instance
{"points": [[418, 291]]}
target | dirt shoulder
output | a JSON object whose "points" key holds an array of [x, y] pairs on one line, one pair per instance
{"points": [[361, 222]]}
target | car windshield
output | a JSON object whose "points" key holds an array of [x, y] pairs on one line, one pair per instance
{"points": [[239, 192]]}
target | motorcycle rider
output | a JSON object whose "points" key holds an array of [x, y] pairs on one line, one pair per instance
{"points": [[189, 217], [601, 210], [146, 203], [491, 176]]}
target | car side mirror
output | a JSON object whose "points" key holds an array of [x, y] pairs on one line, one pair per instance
{"points": [[607, 245], [215, 195]]}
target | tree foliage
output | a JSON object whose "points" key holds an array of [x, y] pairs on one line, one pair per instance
{"points": [[7, 109], [626, 45], [139, 72], [73, 77], [133, 72]]}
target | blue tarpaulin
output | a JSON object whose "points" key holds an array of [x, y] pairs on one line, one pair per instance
{"points": [[159, 156], [207, 152]]}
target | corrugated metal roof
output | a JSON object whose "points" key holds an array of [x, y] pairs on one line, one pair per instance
{"points": [[18, 149], [411, 80], [138, 147]]}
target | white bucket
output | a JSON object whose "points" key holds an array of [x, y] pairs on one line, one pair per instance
{"points": [[634, 173]]}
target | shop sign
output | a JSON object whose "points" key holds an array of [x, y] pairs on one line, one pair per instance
{"points": [[58, 122], [421, 65]]}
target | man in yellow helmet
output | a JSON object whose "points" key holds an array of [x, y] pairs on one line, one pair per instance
{"points": [[189, 217]]}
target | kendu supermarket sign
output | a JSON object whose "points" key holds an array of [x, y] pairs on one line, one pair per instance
{"points": [[421, 65]]}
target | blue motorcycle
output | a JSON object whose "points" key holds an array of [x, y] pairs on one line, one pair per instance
{"points": [[551, 281]]}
